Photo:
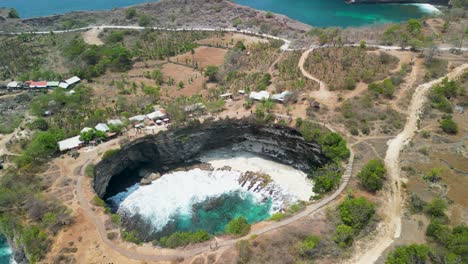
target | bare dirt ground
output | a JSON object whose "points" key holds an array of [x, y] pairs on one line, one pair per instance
{"points": [[204, 56], [91, 37], [192, 79], [230, 39]]}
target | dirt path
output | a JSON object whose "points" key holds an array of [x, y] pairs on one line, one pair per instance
{"points": [[323, 95], [390, 228], [91, 36]]}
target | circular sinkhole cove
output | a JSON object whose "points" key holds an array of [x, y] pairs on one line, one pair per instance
{"points": [[218, 187], [200, 178]]}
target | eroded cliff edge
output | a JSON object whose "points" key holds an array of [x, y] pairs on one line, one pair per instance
{"points": [[179, 146]]}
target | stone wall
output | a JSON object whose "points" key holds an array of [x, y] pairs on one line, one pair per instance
{"points": [[178, 146]]}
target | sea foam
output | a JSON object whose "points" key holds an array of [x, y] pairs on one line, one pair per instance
{"points": [[427, 8]]}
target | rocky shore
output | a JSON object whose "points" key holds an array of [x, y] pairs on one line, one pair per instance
{"points": [[179, 146]]}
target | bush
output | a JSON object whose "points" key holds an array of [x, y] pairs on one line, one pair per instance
{"points": [[179, 239], [372, 175], [441, 233], [436, 208], [356, 212], [130, 13], [98, 201], [35, 242], [334, 146], [448, 125], [326, 178], [116, 219], [130, 236], [40, 124], [110, 153], [144, 20], [238, 226], [89, 170], [13, 13], [344, 235], [412, 254], [416, 204], [306, 246], [211, 72], [269, 15]]}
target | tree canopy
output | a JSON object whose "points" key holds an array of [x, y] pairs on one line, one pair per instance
{"points": [[372, 175]]}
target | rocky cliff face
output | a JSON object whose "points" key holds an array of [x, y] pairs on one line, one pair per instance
{"points": [[182, 145]]}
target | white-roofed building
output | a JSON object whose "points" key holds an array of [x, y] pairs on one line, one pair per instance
{"points": [[115, 122], [63, 85], [73, 80], [102, 127], [282, 96], [70, 143], [137, 118], [86, 129], [158, 114], [13, 84], [262, 95]]}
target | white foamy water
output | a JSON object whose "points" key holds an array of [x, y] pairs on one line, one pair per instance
{"points": [[176, 193], [292, 181], [427, 8]]}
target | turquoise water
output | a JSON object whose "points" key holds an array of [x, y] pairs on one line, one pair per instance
{"points": [[5, 252], [319, 13], [213, 214]]}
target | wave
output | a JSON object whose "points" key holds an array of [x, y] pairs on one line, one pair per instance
{"points": [[176, 193], [427, 8]]}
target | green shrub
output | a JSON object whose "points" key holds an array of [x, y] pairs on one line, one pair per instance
{"points": [[98, 201], [436, 208], [356, 212], [412, 254], [238, 226], [416, 204], [326, 178], [13, 13], [306, 246], [40, 124], [130, 236], [116, 219], [344, 235], [440, 232], [448, 125], [334, 146], [89, 170], [269, 15], [372, 175], [144, 20], [36, 243], [179, 239], [110, 153], [130, 13]]}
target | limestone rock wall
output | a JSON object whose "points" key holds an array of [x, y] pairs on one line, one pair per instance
{"points": [[181, 145]]}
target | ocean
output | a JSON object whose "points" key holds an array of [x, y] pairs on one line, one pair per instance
{"points": [[318, 13]]}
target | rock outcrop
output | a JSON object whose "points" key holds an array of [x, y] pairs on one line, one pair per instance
{"points": [[179, 146]]}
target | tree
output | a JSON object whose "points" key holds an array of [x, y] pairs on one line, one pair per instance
{"points": [[372, 175], [414, 27], [130, 13], [326, 178], [40, 124], [13, 13], [440, 232], [344, 235], [211, 72], [412, 254], [269, 15], [436, 207], [238, 226], [448, 125], [144, 20], [356, 212], [87, 136], [334, 146], [306, 246]]}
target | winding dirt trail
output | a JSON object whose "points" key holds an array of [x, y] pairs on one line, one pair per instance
{"points": [[390, 228], [323, 95]]}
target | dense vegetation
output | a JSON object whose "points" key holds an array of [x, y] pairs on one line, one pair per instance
{"points": [[238, 226], [355, 214], [372, 175], [412, 254], [179, 239], [326, 178]]}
